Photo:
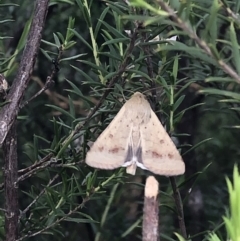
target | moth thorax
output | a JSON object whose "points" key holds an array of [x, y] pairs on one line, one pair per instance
{"points": [[136, 137]]}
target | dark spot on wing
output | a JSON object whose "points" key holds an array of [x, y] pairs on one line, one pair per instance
{"points": [[161, 141], [110, 136], [100, 148], [156, 155], [170, 156], [114, 150]]}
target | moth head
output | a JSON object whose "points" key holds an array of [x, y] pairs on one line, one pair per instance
{"points": [[138, 97], [138, 105]]}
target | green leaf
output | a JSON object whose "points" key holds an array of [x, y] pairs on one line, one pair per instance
{"points": [[61, 111], [225, 93], [73, 57], [49, 43], [69, 34], [235, 47], [131, 228], [219, 79], [45, 54], [99, 23], [60, 36], [178, 102], [180, 238], [113, 30], [197, 145], [138, 73], [117, 40], [81, 38], [192, 51], [79, 220], [85, 75], [94, 66], [175, 69], [6, 21], [83, 6], [118, 7], [78, 92], [20, 46], [211, 27], [57, 41], [71, 106], [110, 56], [144, 4]]}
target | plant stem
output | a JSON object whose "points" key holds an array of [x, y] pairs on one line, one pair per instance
{"points": [[10, 184]]}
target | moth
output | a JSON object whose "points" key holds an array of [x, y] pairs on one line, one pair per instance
{"points": [[136, 138]]}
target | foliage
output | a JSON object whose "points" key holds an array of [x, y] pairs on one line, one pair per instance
{"points": [[231, 221], [107, 50]]}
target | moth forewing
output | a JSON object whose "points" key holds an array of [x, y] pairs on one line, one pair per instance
{"points": [[110, 148], [135, 137], [159, 153]]}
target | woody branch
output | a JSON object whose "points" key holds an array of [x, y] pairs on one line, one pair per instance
{"points": [[8, 117], [10, 111]]}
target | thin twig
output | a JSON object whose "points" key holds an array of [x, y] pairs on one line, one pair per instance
{"points": [[10, 111], [67, 164], [201, 43], [36, 164], [230, 13], [51, 163], [49, 80], [179, 207], [38, 168], [37, 197], [30, 168], [47, 85], [61, 100]]}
